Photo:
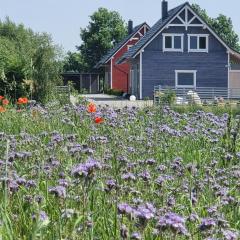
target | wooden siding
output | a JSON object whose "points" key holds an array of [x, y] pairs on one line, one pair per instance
{"points": [[234, 81], [159, 67], [121, 73]]}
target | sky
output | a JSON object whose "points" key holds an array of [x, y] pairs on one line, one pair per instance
{"points": [[64, 18]]}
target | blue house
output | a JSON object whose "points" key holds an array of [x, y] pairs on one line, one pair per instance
{"points": [[182, 51]]}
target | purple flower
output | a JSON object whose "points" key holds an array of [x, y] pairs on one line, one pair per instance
{"points": [[124, 208], [207, 224], [136, 236], [145, 212], [229, 235], [173, 222], [58, 191], [128, 176], [111, 184], [145, 175], [85, 169]]}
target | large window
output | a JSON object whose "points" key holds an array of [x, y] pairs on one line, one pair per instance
{"points": [[198, 43], [173, 42], [185, 78]]}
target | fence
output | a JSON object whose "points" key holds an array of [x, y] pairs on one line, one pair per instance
{"points": [[199, 94], [63, 90]]}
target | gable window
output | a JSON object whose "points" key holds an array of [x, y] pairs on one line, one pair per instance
{"points": [[185, 78], [173, 42], [129, 46], [198, 43]]}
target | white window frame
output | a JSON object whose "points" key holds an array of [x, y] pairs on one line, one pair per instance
{"points": [[198, 43], [194, 72], [172, 49]]}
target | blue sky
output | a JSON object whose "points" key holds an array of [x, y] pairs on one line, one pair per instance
{"points": [[64, 18]]}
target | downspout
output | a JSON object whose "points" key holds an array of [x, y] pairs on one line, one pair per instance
{"points": [[140, 75], [229, 90]]}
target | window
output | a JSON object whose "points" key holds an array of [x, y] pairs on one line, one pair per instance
{"points": [[129, 46], [197, 43], [185, 78], [173, 42]]}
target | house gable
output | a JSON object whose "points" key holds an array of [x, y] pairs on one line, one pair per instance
{"points": [[181, 16], [138, 32]]}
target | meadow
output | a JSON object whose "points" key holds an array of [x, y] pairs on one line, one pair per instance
{"points": [[81, 172]]}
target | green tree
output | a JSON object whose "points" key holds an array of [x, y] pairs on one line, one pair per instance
{"points": [[26, 56], [105, 29], [74, 62], [222, 25]]}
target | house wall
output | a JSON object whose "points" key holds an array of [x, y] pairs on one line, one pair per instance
{"points": [[159, 67], [121, 73]]}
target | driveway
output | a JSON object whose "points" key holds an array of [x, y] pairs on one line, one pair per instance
{"points": [[114, 101]]}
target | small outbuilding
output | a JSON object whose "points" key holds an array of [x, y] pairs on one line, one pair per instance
{"points": [[83, 82]]}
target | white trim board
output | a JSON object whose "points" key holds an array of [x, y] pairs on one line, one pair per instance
{"points": [[140, 75]]}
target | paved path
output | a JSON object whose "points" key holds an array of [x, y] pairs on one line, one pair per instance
{"points": [[113, 101]]}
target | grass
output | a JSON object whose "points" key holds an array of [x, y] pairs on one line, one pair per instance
{"points": [[155, 161]]}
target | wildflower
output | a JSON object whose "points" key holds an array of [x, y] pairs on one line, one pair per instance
{"points": [[173, 222], [85, 169], [22, 101], [124, 208], [99, 120], [128, 176], [5, 102], [229, 235], [91, 108], [206, 224], [145, 212], [41, 217], [58, 191], [1, 98], [136, 236], [2, 109]]}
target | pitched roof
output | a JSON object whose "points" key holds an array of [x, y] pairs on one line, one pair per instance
{"points": [[154, 31], [107, 57], [151, 33]]}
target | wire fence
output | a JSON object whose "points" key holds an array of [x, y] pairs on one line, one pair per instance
{"points": [[199, 95]]}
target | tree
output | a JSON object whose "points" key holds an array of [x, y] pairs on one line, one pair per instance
{"points": [[26, 57], [105, 29], [74, 62], [222, 25]]}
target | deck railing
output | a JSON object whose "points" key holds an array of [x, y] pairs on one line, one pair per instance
{"points": [[205, 94]]}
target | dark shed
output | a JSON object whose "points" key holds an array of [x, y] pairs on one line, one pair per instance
{"points": [[83, 81]]}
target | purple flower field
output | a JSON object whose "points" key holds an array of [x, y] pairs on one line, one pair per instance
{"points": [[139, 174]]}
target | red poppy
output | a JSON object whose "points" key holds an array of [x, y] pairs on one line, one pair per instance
{"points": [[1, 98], [99, 120], [22, 101], [5, 102], [92, 108], [2, 109]]}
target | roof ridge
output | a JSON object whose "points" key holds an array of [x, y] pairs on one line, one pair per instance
{"points": [[154, 29], [118, 45]]}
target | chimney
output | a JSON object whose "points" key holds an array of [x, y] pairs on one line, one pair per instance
{"points": [[130, 27], [164, 9]]}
